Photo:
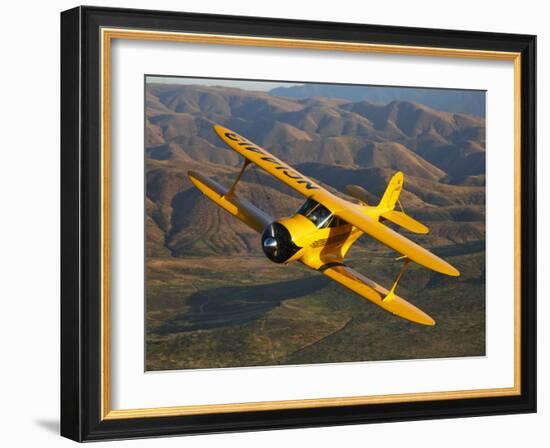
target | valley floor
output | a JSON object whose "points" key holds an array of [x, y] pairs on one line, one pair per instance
{"points": [[211, 312]]}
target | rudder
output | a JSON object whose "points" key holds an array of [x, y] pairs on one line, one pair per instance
{"points": [[393, 190]]}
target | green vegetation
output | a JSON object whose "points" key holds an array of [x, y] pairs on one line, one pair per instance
{"points": [[255, 313]]}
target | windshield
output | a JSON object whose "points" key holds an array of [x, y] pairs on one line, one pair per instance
{"points": [[318, 214], [306, 208]]}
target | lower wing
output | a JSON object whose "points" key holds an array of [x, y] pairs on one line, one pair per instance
{"points": [[238, 207], [375, 293]]}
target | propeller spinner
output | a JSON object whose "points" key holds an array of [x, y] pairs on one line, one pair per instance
{"points": [[277, 243]]}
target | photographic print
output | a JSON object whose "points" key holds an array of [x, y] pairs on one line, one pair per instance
{"points": [[297, 223], [252, 201]]}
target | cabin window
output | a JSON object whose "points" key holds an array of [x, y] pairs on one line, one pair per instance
{"points": [[318, 214], [307, 207]]}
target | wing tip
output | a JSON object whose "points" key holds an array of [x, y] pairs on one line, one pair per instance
{"points": [[415, 315], [423, 230], [443, 267], [421, 318], [219, 129], [452, 271], [193, 175], [429, 322]]}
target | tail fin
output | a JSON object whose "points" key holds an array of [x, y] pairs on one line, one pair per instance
{"points": [[393, 190], [387, 205]]}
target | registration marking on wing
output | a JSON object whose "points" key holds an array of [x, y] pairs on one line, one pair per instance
{"points": [[267, 161]]}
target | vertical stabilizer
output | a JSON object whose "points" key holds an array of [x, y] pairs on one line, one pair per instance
{"points": [[387, 205], [393, 190]]}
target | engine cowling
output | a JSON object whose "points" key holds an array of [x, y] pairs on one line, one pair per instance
{"points": [[277, 243]]}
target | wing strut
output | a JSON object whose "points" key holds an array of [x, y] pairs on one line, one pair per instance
{"points": [[232, 188], [391, 294]]}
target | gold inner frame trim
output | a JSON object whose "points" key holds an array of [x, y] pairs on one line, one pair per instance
{"points": [[107, 35]]}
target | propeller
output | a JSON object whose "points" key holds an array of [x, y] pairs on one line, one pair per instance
{"points": [[277, 243]]}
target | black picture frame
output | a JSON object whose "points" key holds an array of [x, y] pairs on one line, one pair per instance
{"points": [[81, 224]]}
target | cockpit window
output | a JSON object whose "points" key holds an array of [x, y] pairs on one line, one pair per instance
{"points": [[318, 214], [306, 208]]}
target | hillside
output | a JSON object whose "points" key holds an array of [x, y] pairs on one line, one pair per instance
{"points": [[337, 142], [214, 300], [449, 100]]}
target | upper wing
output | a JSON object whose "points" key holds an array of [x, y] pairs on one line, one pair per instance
{"points": [[270, 163], [395, 241], [375, 293], [346, 210], [238, 207]]}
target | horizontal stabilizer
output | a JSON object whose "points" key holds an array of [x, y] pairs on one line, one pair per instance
{"points": [[238, 207], [405, 221], [375, 293]]}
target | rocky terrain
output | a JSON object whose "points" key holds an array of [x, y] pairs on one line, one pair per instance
{"points": [[336, 142], [207, 278]]}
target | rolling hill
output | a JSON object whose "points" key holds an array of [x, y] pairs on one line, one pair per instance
{"points": [[449, 100], [337, 142], [214, 300]]}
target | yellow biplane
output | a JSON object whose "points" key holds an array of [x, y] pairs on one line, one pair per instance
{"points": [[324, 228]]}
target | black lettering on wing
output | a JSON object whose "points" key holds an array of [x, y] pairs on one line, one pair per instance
{"points": [[309, 185], [253, 149], [233, 136], [291, 176], [271, 160]]}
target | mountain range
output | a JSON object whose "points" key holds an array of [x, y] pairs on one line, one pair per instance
{"points": [[212, 298], [448, 100], [336, 141]]}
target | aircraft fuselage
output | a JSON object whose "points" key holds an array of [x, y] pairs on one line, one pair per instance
{"points": [[296, 238]]}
